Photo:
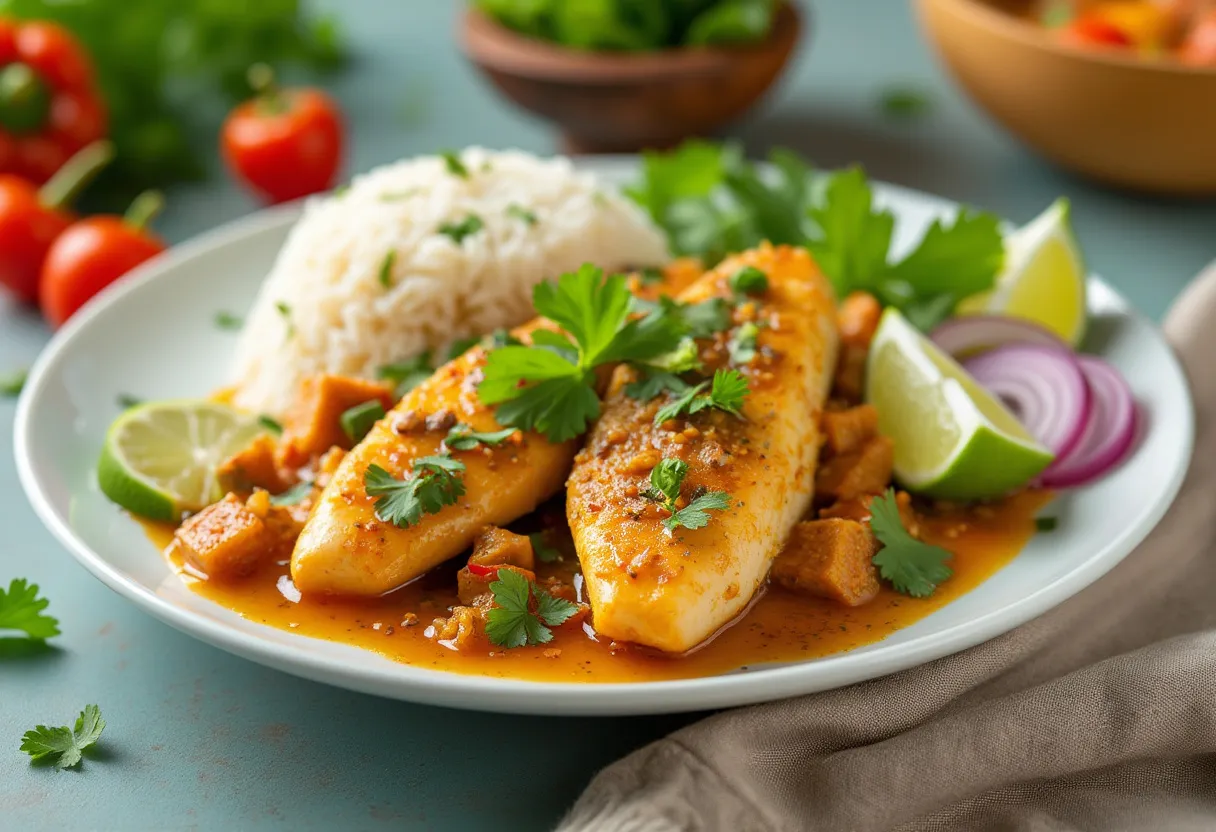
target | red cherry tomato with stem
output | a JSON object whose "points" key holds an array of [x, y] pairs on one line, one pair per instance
{"points": [[93, 253], [283, 143], [32, 217]]}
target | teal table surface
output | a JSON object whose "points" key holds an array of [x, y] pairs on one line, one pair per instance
{"points": [[200, 739]]}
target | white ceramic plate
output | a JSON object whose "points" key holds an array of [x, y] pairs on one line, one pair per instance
{"points": [[153, 336]]}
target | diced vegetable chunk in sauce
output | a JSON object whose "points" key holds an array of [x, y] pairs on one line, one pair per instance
{"points": [[253, 467], [846, 431], [314, 424], [830, 559], [848, 476]]}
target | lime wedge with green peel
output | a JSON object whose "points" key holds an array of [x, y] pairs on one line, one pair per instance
{"points": [[953, 439], [160, 459], [1044, 277]]}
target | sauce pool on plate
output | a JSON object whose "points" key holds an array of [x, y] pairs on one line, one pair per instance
{"points": [[779, 626]]}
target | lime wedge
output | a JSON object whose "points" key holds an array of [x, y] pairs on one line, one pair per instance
{"points": [[953, 439], [159, 459], [1044, 277]]}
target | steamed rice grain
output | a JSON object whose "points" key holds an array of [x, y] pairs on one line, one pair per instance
{"points": [[367, 277]]}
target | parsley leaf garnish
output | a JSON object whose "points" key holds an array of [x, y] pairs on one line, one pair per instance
{"points": [[650, 276], [284, 311], [742, 345], [434, 483], [406, 375], [386, 269], [459, 230], [666, 478], [702, 320], [1046, 524], [913, 567], [294, 495], [462, 345], [521, 213], [904, 103], [455, 166], [549, 386], [21, 610], [512, 623], [270, 424], [727, 393], [63, 745], [357, 421], [748, 281], [655, 383], [463, 438], [12, 383], [228, 321], [542, 550], [126, 401]]}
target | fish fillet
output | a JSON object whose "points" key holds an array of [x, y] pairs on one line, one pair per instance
{"points": [[672, 591]]}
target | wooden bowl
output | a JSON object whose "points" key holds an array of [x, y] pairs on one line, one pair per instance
{"points": [[1144, 124], [607, 102]]}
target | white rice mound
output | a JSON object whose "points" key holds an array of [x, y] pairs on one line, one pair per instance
{"points": [[324, 308]]}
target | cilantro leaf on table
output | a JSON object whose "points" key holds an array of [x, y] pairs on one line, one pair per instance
{"points": [[549, 386], [913, 567], [62, 745], [727, 392], [434, 483], [463, 438], [512, 622], [21, 611]]}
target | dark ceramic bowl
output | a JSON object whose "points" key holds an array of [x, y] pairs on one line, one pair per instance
{"points": [[607, 102]]}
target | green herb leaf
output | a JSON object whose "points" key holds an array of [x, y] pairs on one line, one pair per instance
{"points": [[126, 401], [733, 22], [665, 481], [749, 281], [695, 515], [1046, 524], [511, 622], [227, 321], [586, 305], [357, 421], [12, 383], [905, 103], [462, 345], [559, 408], [294, 495], [521, 213], [285, 313], [386, 269], [542, 550], [959, 258], [21, 611], [701, 320], [466, 227], [270, 424], [649, 276], [63, 746], [435, 482], [727, 393], [455, 166], [854, 236], [655, 383], [406, 375], [742, 345], [913, 568], [463, 438]]}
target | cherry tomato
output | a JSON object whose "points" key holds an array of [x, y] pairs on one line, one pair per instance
{"points": [[283, 143], [31, 217], [93, 253], [1092, 31]]}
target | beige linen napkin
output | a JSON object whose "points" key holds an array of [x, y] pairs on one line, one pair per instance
{"points": [[1101, 714]]}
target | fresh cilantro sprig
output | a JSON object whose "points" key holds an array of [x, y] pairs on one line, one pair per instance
{"points": [[21, 611], [434, 482], [459, 230], [666, 479], [453, 163], [549, 386], [727, 392], [748, 281], [742, 344], [513, 622], [294, 495], [702, 320], [463, 438], [913, 567], [62, 745], [408, 374]]}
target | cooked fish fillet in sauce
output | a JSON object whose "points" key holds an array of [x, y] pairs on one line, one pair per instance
{"points": [[672, 591], [345, 549]]}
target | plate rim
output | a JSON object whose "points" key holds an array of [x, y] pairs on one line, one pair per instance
{"points": [[444, 688]]}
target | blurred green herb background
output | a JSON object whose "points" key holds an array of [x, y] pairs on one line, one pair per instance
{"points": [[170, 68], [636, 25]]}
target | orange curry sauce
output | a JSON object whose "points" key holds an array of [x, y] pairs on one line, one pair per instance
{"points": [[779, 627]]}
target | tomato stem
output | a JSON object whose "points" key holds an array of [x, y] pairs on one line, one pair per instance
{"points": [[76, 173], [270, 98], [25, 101], [144, 209]]}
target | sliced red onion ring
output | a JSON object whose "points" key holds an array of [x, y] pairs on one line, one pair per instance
{"points": [[1043, 386], [1107, 437], [965, 336]]}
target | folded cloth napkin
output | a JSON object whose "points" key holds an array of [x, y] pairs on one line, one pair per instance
{"points": [[1099, 715]]}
